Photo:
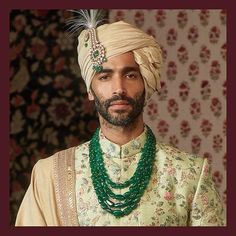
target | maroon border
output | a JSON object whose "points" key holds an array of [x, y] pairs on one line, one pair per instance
{"points": [[4, 117]]}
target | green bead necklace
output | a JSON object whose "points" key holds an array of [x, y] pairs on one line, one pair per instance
{"points": [[120, 205]]}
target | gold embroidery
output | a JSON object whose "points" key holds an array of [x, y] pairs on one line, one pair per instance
{"points": [[65, 187]]}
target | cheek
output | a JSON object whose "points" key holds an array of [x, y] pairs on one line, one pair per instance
{"points": [[142, 86], [102, 91], [139, 88], [101, 94]]}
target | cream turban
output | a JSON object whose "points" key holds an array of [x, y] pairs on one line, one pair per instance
{"points": [[118, 38]]}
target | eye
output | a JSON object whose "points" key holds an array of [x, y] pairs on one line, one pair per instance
{"points": [[103, 77], [132, 75]]}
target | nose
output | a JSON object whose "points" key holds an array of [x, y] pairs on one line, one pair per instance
{"points": [[119, 87]]}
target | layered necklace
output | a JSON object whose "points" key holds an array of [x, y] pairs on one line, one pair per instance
{"points": [[120, 205]]}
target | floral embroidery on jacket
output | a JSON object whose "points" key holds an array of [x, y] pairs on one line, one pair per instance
{"points": [[180, 192]]}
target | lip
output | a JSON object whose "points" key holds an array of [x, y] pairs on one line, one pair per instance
{"points": [[119, 104]]}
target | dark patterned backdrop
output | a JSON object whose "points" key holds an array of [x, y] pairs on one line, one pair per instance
{"points": [[49, 106]]}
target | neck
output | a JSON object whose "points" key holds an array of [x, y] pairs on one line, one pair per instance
{"points": [[122, 135]]}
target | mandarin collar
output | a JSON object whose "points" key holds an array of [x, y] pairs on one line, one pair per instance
{"points": [[131, 148]]}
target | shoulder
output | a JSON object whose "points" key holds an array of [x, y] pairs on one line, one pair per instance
{"points": [[45, 166], [49, 160], [83, 148], [65, 155], [180, 158], [183, 168]]}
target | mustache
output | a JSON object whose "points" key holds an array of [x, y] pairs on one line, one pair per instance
{"points": [[129, 100]]}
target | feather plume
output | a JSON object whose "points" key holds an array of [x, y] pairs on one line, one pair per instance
{"points": [[85, 19]]}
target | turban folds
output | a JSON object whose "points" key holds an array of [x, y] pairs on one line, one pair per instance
{"points": [[118, 38]]}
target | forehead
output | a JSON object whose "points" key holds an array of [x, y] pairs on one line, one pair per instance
{"points": [[120, 61]]}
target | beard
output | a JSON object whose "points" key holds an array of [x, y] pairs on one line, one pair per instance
{"points": [[122, 118]]}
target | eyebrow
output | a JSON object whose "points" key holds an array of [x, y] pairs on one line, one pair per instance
{"points": [[123, 70]]}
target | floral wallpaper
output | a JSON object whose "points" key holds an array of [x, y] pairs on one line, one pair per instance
{"points": [[189, 112], [49, 109]]}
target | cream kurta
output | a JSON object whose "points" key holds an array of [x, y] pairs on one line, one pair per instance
{"points": [[180, 192]]}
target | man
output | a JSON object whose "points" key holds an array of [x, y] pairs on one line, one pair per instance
{"points": [[122, 176]]}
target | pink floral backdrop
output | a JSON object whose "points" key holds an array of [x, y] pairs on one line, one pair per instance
{"points": [[189, 112]]}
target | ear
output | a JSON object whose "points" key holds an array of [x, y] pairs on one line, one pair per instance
{"points": [[90, 95]]}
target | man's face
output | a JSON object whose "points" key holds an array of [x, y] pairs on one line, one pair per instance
{"points": [[118, 91]]}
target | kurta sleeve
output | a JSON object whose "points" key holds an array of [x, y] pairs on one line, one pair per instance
{"points": [[50, 198], [30, 212], [207, 208]]}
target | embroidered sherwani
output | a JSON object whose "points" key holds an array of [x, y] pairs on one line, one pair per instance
{"points": [[180, 192]]}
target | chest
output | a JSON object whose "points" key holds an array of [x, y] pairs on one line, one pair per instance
{"points": [[161, 205]]}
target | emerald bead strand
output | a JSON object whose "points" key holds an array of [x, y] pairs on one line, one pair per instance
{"points": [[120, 205]]}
